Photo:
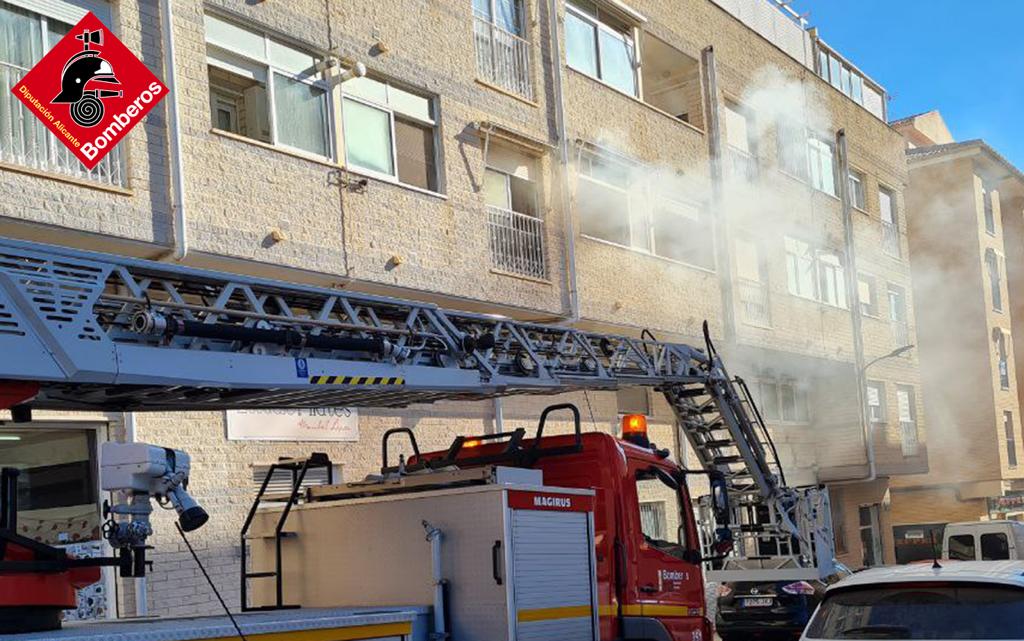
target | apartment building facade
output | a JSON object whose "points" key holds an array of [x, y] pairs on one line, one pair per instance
{"points": [[623, 167], [964, 221]]}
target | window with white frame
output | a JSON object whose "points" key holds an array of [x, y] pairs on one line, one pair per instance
{"points": [[28, 30], [820, 164], [858, 196], [606, 210], [844, 77], [832, 278], [989, 209], [995, 279], [783, 400], [890, 225], [906, 406], [791, 140], [502, 52], [600, 44], [266, 90], [1003, 358], [1011, 439], [817, 275], [680, 232], [801, 270], [867, 292], [516, 229], [876, 401], [751, 276], [738, 128], [390, 132]]}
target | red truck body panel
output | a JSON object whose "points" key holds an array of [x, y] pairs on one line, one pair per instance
{"points": [[636, 581]]}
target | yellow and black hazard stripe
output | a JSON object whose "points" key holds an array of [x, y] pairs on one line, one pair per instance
{"points": [[356, 380]]}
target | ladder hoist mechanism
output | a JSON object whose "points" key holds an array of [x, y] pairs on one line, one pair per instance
{"points": [[90, 331]]}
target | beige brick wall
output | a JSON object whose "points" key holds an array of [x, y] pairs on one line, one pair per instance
{"points": [[238, 191]]}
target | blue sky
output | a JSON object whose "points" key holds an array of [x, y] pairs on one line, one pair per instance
{"points": [[964, 58]]}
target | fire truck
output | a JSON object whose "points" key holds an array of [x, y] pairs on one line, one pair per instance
{"points": [[90, 331]]}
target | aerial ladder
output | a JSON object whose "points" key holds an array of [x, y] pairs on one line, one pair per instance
{"points": [[89, 331]]}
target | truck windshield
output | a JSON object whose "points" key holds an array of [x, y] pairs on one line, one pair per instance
{"points": [[921, 611], [661, 513]]}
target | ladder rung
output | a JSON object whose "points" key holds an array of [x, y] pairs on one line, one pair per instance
{"points": [[257, 537], [259, 575], [725, 442], [727, 460]]}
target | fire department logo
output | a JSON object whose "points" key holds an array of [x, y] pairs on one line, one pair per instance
{"points": [[90, 90]]}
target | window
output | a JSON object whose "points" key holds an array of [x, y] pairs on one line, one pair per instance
{"points": [[995, 547], [516, 229], [25, 36], [58, 491], [671, 80], [783, 400], [841, 75], [502, 53], [792, 148], [924, 610], [857, 194], [898, 315], [1011, 439], [1001, 352], [681, 233], [660, 513], [994, 279], [265, 90], [740, 138], [876, 401], [870, 536], [817, 275], [604, 203], [890, 227], [800, 269], [600, 45], [907, 408], [390, 132], [751, 277], [832, 279], [961, 547], [866, 292], [282, 482], [990, 217], [633, 400], [820, 165]]}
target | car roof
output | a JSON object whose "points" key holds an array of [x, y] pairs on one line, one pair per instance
{"points": [[983, 523], [1001, 572]]}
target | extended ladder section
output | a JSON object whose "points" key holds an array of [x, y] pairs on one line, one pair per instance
{"points": [[90, 331]]}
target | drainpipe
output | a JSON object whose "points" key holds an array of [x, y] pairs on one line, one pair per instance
{"points": [[141, 588], [563, 168], [718, 212], [434, 536], [853, 299], [179, 249]]}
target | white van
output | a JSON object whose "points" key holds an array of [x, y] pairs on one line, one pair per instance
{"points": [[983, 541]]}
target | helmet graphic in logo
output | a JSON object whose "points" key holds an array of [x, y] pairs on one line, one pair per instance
{"points": [[82, 70]]}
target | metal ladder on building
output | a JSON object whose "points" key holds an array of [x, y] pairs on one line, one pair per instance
{"points": [[90, 331], [298, 468]]}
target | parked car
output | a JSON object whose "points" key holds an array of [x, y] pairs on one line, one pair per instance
{"points": [[777, 609], [983, 541], [960, 600]]}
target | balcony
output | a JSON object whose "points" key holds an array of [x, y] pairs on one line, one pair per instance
{"points": [[891, 239], [908, 438], [517, 243], [754, 303], [25, 142], [502, 58]]}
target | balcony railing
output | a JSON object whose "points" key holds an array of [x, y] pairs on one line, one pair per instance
{"points": [[908, 438], [890, 239], [741, 163], [502, 58], [25, 142], [517, 243], [754, 303], [900, 333]]}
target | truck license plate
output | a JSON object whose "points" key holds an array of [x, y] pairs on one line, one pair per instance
{"points": [[757, 602]]}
